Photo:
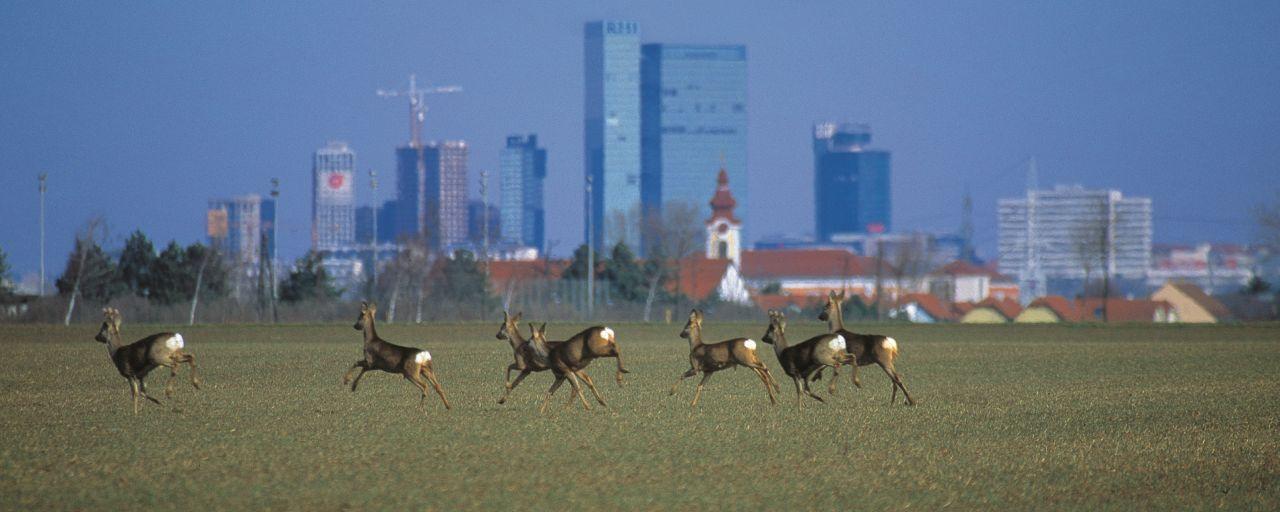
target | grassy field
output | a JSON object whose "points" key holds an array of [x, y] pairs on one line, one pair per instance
{"points": [[1009, 417]]}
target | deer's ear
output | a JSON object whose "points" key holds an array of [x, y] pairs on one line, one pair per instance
{"points": [[543, 329], [519, 315], [364, 305], [841, 294]]}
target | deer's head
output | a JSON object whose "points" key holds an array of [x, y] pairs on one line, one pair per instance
{"points": [[777, 328], [510, 325], [110, 325], [832, 308], [694, 323], [367, 312]]}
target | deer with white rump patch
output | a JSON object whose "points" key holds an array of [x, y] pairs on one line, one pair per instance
{"points": [[415, 365], [527, 359], [865, 348], [135, 360], [708, 359], [804, 360], [570, 357]]}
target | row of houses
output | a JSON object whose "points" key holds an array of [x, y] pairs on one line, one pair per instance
{"points": [[1172, 303]]}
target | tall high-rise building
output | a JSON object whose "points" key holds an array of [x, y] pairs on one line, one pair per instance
{"points": [[333, 197], [524, 167], [850, 182], [237, 228], [431, 193], [694, 121], [1072, 231], [611, 53]]}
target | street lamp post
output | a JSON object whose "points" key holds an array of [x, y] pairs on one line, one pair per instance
{"points": [[43, 188], [591, 254], [275, 230], [373, 242]]}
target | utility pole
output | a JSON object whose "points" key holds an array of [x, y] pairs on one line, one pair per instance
{"points": [[591, 254], [43, 177], [275, 230], [484, 248], [373, 260], [1033, 277]]}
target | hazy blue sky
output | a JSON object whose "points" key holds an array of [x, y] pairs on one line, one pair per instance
{"points": [[142, 112]]}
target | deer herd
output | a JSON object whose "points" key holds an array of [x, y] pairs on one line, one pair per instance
{"points": [[803, 362]]}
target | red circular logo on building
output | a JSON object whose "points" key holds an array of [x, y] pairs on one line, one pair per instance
{"points": [[335, 180]]}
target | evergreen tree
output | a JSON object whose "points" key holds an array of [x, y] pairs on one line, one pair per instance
{"points": [[308, 281], [6, 286], [98, 282], [167, 277], [461, 280], [625, 274], [577, 268], [136, 261]]}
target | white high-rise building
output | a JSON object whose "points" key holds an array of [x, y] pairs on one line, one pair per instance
{"points": [[333, 197], [1075, 233]]}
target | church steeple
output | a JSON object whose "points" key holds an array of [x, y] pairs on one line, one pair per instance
{"points": [[724, 230]]}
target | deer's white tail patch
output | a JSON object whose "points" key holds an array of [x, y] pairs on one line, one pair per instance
{"points": [[750, 344], [890, 344], [422, 357], [174, 342], [837, 343], [607, 333]]}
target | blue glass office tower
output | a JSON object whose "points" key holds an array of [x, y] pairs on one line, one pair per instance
{"points": [[694, 113], [850, 182], [611, 51], [431, 193], [524, 166]]}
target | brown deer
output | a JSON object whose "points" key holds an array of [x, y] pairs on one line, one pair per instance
{"points": [[804, 360], [865, 348], [135, 360], [412, 363], [712, 358], [569, 357], [526, 357]]}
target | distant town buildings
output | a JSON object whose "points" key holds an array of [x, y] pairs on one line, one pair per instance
{"points": [[1073, 233], [611, 126], [693, 121], [333, 197], [239, 227], [850, 182], [431, 192], [524, 167]]}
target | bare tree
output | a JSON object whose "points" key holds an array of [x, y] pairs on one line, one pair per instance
{"points": [[1091, 240], [911, 261], [87, 237], [674, 235], [1268, 216]]}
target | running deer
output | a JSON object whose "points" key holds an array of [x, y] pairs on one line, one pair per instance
{"points": [[712, 358], [526, 357], [412, 363], [865, 348], [804, 360], [135, 360], [570, 357]]}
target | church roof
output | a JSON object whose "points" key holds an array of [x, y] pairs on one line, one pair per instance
{"points": [[722, 203]]}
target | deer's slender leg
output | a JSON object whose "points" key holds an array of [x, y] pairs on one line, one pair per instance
{"points": [[168, 383], [360, 365], [686, 375], [809, 391], [142, 385], [763, 373], [422, 388], [621, 370], [854, 376], [550, 391], [507, 379], [592, 386], [697, 394], [523, 373], [799, 399], [435, 383], [191, 362], [897, 383], [835, 376], [133, 387], [577, 389]]}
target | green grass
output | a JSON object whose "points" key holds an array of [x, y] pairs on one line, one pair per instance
{"points": [[1009, 417]]}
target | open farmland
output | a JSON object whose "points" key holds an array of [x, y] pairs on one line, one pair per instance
{"points": [[1080, 417]]}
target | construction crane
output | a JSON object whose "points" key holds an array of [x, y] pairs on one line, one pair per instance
{"points": [[417, 105]]}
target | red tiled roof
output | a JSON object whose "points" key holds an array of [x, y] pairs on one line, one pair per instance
{"points": [[504, 273], [931, 304], [1122, 310], [961, 308], [1060, 306], [699, 276], [1210, 304], [1009, 308], [767, 302], [821, 263]]}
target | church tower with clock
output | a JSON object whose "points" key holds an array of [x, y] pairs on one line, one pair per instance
{"points": [[724, 230]]}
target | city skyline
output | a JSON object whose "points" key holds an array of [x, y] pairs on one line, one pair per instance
{"points": [[956, 107]]}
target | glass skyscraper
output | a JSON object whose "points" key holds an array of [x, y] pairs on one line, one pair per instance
{"points": [[611, 51], [431, 193], [333, 197], [524, 166], [850, 182], [694, 114]]}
